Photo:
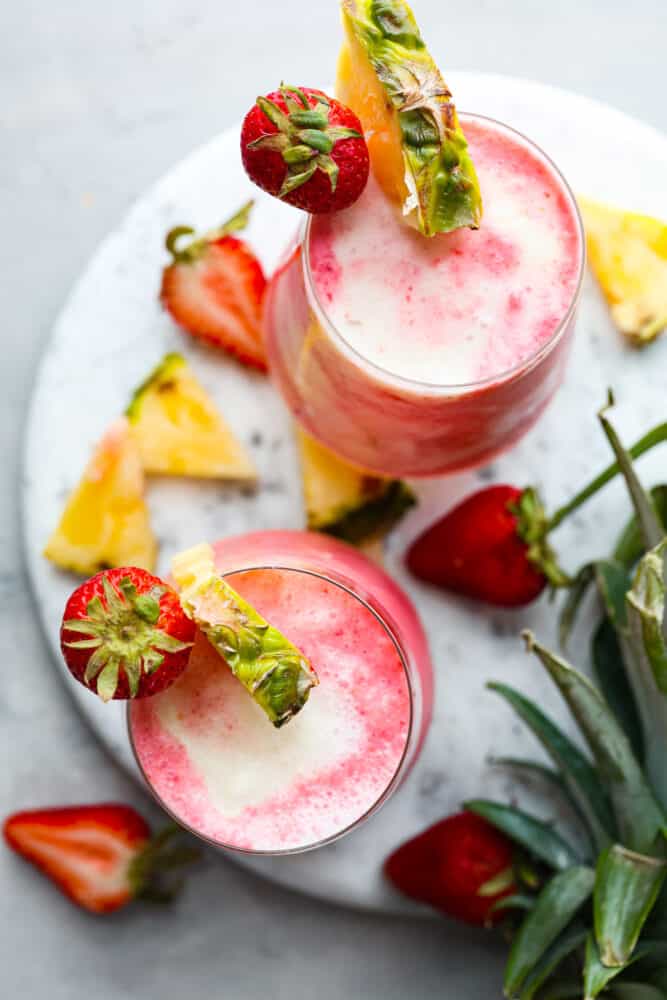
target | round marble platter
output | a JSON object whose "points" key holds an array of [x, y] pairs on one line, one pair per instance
{"points": [[112, 331]]}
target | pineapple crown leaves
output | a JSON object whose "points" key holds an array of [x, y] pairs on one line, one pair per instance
{"points": [[121, 635], [191, 252], [304, 137]]}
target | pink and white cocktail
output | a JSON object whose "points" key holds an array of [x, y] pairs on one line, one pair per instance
{"points": [[412, 356], [217, 764]]}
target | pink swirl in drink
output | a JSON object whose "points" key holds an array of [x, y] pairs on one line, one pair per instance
{"points": [[209, 752], [416, 356]]}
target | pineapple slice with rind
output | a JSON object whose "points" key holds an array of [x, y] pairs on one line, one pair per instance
{"points": [[628, 254], [105, 522], [418, 151], [273, 671], [346, 502], [178, 429]]}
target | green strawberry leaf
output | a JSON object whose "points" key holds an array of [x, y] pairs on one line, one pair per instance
{"points": [[639, 816], [579, 775], [565, 944], [612, 679], [535, 835], [555, 907], [627, 886]]}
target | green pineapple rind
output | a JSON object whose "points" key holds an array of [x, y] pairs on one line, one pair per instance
{"points": [[440, 175], [272, 670]]}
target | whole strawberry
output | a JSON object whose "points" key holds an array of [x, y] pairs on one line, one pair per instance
{"points": [[100, 856], [214, 288], [491, 547], [305, 148], [461, 866], [125, 635]]}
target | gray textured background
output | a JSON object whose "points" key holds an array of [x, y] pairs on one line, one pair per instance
{"points": [[97, 100]]}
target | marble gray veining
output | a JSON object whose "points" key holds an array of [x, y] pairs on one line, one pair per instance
{"points": [[96, 104]]}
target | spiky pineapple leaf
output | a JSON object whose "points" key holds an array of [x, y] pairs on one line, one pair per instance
{"points": [[558, 903], [612, 679], [535, 835], [518, 901], [579, 775], [645, 651], [630, 545], [639, 816], [612, 582], [650, 529], [596, 975], [627, 886], [565, 944]]}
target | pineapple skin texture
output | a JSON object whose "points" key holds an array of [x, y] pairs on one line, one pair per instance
{"points": [[418, 151], [178, 430], [628, 254], [106, 522]]}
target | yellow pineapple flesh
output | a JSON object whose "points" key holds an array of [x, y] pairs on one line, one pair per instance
{"points": [[418, 151], [178, 429], [347, 502], [628, 254], [105, 522]]}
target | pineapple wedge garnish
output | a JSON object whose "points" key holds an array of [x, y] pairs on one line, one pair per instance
{"points": [[178, 429], [346, 502], [273, 671], [628, 254], [418, 151], [105, 522]]}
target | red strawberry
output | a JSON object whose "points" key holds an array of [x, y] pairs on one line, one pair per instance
{"points": [[492, 547], [125, 635], [100, 856], [305, 148], [215, 288], [461, 866]]}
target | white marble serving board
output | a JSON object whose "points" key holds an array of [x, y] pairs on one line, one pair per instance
{"points": [[112, 330]]}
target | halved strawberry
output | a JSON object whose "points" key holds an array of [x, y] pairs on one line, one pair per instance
{"points": [[215, 288], [100, 856]]}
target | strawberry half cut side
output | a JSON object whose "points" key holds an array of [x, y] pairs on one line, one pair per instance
{"points": [[100, 856]]}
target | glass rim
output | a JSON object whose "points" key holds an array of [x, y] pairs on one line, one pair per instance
{"points": [[457, 388], [396, 777]]}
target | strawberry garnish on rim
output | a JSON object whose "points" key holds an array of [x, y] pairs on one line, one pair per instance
{"points": [[100, 856], [306, 149], [214, 288], [125, 635]]}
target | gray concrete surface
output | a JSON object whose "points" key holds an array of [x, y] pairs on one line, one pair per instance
{"points": [[96, 100]]}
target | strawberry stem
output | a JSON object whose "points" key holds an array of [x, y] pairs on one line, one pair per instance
{"points": [[653, 437]]}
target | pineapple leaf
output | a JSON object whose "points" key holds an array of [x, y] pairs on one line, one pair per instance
{"points": [[579, 775], [519, 901], [612, 679], [649, 525], [639, 816], [566, 943], [536, 836], [630, 546], [555, 907], [627, 886], [596, 975], [575, 595], [612, 582], [645, 652]]}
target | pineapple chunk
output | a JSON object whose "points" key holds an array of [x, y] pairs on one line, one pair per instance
{"points": [[346, 502], [178, 430], [628, 254], [273, 671], [105, 522], [418, 151]]}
